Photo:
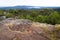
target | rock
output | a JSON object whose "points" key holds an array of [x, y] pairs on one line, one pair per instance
{"points": [[17, 24], [2, 18], [23, 29], [5, 32]]}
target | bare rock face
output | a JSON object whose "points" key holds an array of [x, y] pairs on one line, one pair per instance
{"points": [[17, 24], [5, 33], [57, 31], [23, 29]]}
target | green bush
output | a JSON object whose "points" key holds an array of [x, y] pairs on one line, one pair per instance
{"points": [[53, 18]]}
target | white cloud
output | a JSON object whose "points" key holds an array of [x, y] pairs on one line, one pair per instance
{"points": [[30, 2]]}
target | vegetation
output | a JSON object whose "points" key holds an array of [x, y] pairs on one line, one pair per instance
{"points": [[45, 16]]}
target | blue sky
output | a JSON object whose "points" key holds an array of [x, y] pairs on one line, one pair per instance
{"points": [[30, 2]]}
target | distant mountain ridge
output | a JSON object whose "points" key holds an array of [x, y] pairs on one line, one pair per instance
{"points": [[27, 7], [18, 7]]}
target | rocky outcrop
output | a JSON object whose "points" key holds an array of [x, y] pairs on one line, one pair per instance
{"points": [[2, 18], [23, 29]]}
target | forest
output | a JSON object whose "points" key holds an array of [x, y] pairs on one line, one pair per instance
{"points": [[46, 15]]}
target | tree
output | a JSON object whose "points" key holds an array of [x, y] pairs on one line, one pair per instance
{"points": [[9, 15], [1, 13], [34, 14], [29, 17], [53, 18], [40, 18]]}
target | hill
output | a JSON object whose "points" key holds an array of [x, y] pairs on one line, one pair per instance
{"points": [[28, 7]]}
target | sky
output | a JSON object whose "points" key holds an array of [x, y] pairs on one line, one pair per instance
{"points": [[30, 3]]}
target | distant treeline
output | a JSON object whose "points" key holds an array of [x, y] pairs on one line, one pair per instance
{"points": [[44, 15]]}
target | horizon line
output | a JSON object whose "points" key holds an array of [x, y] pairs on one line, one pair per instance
{"points": [[29, 5]]}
